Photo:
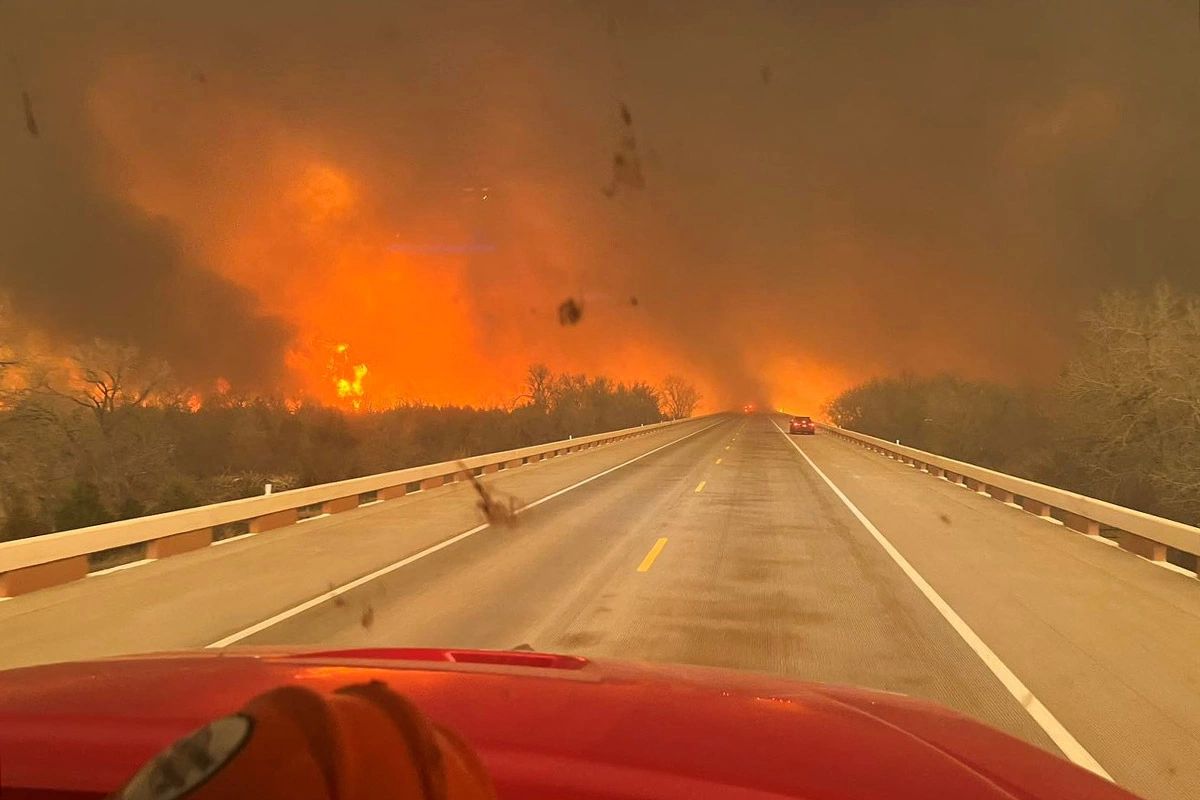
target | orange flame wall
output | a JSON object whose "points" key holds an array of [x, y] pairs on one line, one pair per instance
{"points": [[442, 294]]}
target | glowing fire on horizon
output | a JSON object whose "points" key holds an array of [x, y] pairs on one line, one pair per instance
{"points": [[352, 388], [348, 378], [313, 237]]}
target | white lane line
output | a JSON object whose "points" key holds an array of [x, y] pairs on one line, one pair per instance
{"points": [[120, 567], [229, 539], [1170, 566], [258, 627], [1069, 745]]}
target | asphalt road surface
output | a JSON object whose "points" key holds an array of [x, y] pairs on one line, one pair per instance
{"points": [[716, 542]]}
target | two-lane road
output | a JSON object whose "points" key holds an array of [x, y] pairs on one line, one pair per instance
{"points": [[721, 542], [762, 568], [730, 550]]}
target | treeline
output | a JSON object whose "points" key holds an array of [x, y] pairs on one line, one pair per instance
{"points": [[112, 441], [1121, 423]]}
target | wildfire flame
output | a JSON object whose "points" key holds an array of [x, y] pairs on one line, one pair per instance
{"points": [[347, 378], [352, 388], [306, 216]]}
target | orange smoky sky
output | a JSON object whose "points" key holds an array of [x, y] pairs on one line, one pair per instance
{"points": [[274, 194]]}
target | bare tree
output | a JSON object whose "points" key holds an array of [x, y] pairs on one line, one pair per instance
{"points": [[1131, 401], [105, 377], [679, 397], [539, 382], [106, 402]]}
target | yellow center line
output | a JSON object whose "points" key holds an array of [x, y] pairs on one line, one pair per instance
{"points": [[718, 461], [653, 554], [726, 447], [700, 488]]}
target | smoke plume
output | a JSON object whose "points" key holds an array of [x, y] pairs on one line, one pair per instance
{"points": [[796, 194]]}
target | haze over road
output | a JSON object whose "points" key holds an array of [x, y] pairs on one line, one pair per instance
{"points": [[714, 542]]}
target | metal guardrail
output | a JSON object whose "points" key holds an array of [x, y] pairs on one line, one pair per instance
{"points": [[36, 562], [1138, 532]]}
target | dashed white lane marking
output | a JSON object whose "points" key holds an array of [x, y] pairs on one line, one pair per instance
{"points": [[1066, 742], [258, 627]]}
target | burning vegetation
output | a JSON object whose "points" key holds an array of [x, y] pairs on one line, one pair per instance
{"points": [[107, 434], [348, 377]]}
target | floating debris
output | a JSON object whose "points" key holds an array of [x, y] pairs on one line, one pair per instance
{"points": [[627, 166], [498, 511], [570, 312], [30, 120]]}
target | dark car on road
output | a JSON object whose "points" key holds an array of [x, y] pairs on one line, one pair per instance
{"points": [[803, 425]]}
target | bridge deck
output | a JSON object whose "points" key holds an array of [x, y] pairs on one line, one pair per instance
{"points": [[764, 567]]}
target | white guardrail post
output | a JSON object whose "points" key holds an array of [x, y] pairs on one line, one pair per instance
{"points": [[1143, 534], [54, 558]]}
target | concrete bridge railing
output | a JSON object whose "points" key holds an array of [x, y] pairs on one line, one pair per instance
{"points": [[1144, 534], [55, 558]]}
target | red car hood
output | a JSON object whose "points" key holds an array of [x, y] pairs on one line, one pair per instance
{"points": [[546, 726]]}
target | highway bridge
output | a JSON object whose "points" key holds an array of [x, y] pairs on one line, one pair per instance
{"points": [[716, 541]]}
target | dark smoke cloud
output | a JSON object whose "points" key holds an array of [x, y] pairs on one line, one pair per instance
{"points": [[877, 185], [79, 264], [76, 260]]}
